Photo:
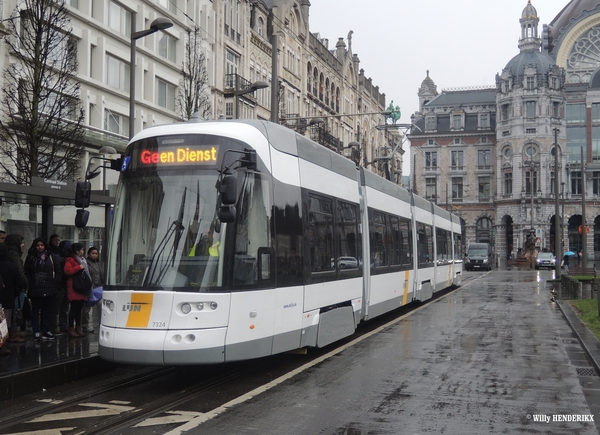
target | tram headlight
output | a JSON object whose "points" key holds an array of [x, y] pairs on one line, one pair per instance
{"points": [[110, 305], [200, 306], [186, 308], [213, 305]]}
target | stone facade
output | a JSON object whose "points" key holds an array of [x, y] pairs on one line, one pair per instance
{"points": [[548, 93], [452, 149]]}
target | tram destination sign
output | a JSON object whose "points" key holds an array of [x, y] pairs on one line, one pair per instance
{"points": [[176, 156]]}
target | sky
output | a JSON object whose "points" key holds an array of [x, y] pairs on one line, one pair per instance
{"points": [[463, 43]]}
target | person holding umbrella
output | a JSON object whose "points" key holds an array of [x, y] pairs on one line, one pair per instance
{"points": [[566, 260]]}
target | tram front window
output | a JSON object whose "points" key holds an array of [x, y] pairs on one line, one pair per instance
{"points": [[165, 226], [166, 234]]}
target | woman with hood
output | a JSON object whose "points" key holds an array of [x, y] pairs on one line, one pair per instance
{"points": [[96, 273], [15, 244], [61, 302], [53, 243], [44, 274], [74, 263]]}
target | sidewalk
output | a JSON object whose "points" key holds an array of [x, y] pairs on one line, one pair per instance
{"points": [[589, 342]]}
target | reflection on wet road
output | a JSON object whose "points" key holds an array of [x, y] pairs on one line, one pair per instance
{"points": [[492, 357]]}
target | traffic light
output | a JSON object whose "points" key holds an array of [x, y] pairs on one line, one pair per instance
{"points": [[82, 194], [81, 218]]}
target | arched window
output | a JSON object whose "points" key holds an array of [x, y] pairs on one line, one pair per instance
{"points": [[332, 95], [321, 79]]}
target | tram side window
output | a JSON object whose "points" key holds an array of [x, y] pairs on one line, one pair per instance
{"points": [[252, 231], [320, 233], [458, 249], [377, 238], [394, 240], [406, 250], [425, 245], [443, 244], [348, 240]]}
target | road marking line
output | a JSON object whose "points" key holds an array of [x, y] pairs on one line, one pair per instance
{"points": [[103, 411], [55, 431], [175, 417]]}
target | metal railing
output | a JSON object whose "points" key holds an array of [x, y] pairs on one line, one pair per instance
{"points": [[570, 288]]}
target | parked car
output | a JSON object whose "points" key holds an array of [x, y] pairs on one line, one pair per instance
{"points": [[545, 259], [347, 263]]}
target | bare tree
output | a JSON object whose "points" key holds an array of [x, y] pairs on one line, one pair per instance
{"points": [[194, 90], [41, 129]]}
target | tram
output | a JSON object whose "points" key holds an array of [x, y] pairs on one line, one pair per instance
{"points": [[234, 240]]}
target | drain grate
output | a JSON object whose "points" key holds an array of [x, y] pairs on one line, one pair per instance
{"points": [[583, 371]]}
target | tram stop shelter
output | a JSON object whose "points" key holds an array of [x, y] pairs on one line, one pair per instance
{"points": [[51, 193]]}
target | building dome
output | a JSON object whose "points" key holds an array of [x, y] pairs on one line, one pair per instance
{"points": [[428, 85], [529, 58], [529, 12]]}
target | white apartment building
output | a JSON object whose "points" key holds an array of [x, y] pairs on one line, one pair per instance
{"points": [[237, 36]]}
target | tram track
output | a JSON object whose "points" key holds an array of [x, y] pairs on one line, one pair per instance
{"points": [[130, 418], [48, 407]]}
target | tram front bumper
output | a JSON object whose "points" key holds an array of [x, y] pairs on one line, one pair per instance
{"points": [[162, 347]]}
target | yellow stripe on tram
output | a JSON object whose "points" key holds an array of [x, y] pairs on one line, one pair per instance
{"points": [[140, 310], [406, 276]]}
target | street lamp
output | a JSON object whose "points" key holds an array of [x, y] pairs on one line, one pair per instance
{"points": [[557, 246], [532, 166], [160, 23], [562, 220], [354, 155], [238, 92]]}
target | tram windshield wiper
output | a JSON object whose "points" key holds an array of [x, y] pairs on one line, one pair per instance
{"points": [[175, 229]]}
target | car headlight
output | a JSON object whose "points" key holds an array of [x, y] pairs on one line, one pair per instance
{"points": [[485, 261]]}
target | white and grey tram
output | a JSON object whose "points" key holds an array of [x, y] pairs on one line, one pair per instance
{"points": [[234, 240]]}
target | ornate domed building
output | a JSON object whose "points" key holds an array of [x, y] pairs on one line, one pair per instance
{"points": [[530, 104], [547, 94]]}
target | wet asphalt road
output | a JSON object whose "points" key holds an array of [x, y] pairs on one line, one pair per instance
{"points": [[491, 358]]}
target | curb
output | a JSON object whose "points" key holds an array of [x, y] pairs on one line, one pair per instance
{"points": [[589, 342]]}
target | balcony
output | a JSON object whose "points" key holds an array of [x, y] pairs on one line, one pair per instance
{"points": [[323, 137], [235, 83]]}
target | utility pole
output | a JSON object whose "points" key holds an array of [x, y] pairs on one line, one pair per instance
{"points": [[583, 219], [557, 217]]}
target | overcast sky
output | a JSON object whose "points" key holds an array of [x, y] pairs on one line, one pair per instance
{"points": [[463, 43]]}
